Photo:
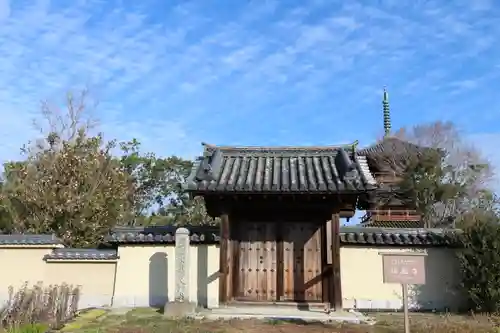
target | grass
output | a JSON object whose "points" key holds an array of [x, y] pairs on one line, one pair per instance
{"points": [[84, 319], [144, 320]]}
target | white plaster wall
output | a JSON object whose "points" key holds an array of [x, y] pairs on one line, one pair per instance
{"points": [[94, 278], [363, 286], [204, 275], [145, 275], [20, 265]]}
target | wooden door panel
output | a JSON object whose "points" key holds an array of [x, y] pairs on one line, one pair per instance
{"points": [[313, 265], [302, 262], [257, 273]]}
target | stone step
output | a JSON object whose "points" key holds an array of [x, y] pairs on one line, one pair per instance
{"points": [[325, 307], [270, 313]]}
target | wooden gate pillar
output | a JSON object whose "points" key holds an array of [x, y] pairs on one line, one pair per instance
{"points": [[335, 279], [224, 260]]}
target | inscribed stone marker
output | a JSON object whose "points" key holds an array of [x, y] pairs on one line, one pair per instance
{"points": [[181, 306], [181, 265]]}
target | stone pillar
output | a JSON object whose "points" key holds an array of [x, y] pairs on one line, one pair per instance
{"points": [[181, 265], [181, 305]]}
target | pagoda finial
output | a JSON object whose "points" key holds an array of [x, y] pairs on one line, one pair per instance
{"points": [[387, 114]]}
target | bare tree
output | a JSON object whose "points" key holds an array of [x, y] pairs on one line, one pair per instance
{"points": [[58, 123], [446, 181]]}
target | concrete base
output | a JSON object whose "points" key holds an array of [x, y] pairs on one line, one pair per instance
{"points": [[276, 313], [179, 309]]}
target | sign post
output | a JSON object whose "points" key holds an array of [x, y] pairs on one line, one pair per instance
{"points": [[404, 268]]}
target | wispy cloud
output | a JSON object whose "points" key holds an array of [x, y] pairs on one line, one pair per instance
{"points": [[255, 72], [4, 9]]}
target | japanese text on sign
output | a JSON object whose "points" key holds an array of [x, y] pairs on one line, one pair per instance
{"points": [[404, 269]]}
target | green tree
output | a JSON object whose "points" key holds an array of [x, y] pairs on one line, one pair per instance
{"points": [[77, 191], [153, 181], [69, 184], [188, 211], [6, 223], [72, 185], [156, 189], [424, 185], [479, 260]]}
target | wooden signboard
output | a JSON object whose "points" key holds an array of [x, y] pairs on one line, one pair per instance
{"points": [[404, 268]]}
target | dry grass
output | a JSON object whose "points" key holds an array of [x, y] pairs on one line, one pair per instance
{"points": [[434, 323], [149, 321], [29, 309]]}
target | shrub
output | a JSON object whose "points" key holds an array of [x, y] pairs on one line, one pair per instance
{"points": [[30, 309], [480, 265]]}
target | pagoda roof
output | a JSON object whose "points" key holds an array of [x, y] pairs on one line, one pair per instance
{"points": [[393, 145]]}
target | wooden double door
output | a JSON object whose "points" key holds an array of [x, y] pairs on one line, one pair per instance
{"points": [[279, 262]]}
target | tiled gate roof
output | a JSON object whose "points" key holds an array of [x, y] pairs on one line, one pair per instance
{"points": [[280, 169]]}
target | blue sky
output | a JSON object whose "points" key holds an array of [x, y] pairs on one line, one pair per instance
{"points": [[253, 72]]}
